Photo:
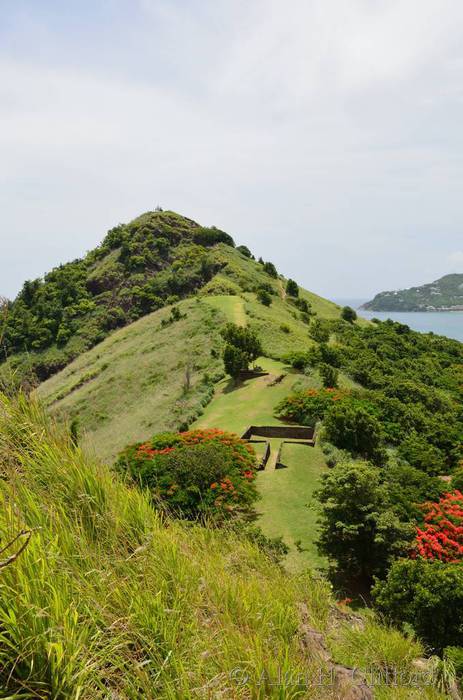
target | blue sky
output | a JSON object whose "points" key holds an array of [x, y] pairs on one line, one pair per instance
{"points": [[324, 134]]}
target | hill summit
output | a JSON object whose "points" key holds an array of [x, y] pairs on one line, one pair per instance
{"points": [[155, 261], [445, 294]]}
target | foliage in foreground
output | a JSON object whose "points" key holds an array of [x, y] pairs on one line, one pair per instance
{"points": [[428, 595], [109, 600]]}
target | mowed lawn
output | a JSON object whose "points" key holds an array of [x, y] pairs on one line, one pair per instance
{"points": [[285, 506], [288, 507]]}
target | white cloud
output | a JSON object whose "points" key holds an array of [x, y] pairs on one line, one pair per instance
{"points": [[333, 125], [456, 260]]}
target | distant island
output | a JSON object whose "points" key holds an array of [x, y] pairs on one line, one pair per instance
{"points": [[445, 294]]}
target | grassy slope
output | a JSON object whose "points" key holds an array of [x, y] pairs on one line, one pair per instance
{"points": [[106, 601], [131, 385]]}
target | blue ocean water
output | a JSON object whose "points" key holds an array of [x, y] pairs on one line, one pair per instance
{"points": [[449, 323]]}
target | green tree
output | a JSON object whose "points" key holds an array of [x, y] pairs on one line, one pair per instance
{"points": [[243, 338], [348, 314], [319, 331], [270, 269], [234, 360], [359, 531], [292, 288], [351, 427], [417, 451], [329, 375], [264, 297], [428, 595]]}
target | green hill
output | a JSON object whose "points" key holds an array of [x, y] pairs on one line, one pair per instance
{"points": [[158, 371], [154, 261], [445, 294]]}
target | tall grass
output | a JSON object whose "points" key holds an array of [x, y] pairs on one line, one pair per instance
{"points": [[110, 601]]}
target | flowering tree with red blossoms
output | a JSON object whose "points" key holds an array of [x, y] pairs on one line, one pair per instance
{"points": [[197, 472], [442, 535]]}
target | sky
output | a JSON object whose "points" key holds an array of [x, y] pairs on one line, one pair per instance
{"points": [[324, 134]]}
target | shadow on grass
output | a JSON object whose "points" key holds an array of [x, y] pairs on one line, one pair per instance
{"points": [[234, 384]]}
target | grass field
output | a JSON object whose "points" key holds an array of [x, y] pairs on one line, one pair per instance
{"points": [[287, 506], [285, 493]]}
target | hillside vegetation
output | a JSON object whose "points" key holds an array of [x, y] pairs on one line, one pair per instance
{"points": [[155, 260], [445, 294], [109, 600]]}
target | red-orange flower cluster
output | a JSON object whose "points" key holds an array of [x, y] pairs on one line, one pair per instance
{"points": [[442, 536]]}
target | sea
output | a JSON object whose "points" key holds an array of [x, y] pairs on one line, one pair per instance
{"points": [[449, 323]]}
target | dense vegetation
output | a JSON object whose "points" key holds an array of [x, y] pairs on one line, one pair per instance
{"points": [[386, 517], [444, 293], [412, 391]]}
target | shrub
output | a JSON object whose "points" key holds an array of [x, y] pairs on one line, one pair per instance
{"points": [[244, 250], [457, 481], [285, 328], [211, 236], [427, 595], [305, 317], [292, 288], [348, 314], [264, 297], [195, 473], [302, 305], [329, 375], [270, 269], [297, 359], [319, 331], [267, 286], [351, 427], [308, 406]]}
